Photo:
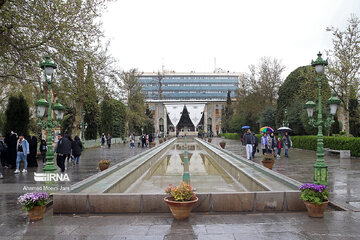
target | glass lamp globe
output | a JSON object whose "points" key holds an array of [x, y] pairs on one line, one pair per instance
{"points": [[319, 69], [40, 111]]}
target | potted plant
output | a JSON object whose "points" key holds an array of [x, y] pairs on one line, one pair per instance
{"points": [[315, 198], [268, 160], [160, 141], [222, 144], [104, 164], [180, 200], [209, 139], [35, 204], [153, 144]]}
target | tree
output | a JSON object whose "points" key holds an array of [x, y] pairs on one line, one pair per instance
{"points": [[227, 113], [67, 122], [119, 119], [299, 87], [267, 117], [136, 109], [344, 64], [265, 78], [91, 106], [17, 115], [106, 116], [70, 32]]}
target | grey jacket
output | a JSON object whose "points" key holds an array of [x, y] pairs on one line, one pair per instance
{"points": [[248, 138]]}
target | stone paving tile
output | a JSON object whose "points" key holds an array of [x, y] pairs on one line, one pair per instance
{"points": [[226, 236], [247, 236], [284, 236], [130, 237], [44, 230], [156, 230]]}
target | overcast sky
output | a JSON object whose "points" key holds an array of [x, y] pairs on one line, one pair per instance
{"points": [[187, 35]]}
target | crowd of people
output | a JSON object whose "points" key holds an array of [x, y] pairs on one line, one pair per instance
{"points": [[18, 151], [144, 140], [269, 144]]}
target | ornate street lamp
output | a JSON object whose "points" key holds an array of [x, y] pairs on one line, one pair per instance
{"points": [[48, 67], [320, 168]]}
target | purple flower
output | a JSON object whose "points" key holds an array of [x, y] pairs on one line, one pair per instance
{"points": [[312, 186]]}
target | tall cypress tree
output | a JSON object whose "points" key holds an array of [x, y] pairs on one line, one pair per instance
{"points": [[17, 115], [91, 106]]}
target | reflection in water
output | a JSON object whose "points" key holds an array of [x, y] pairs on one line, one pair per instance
{"points": [[205, 174]]}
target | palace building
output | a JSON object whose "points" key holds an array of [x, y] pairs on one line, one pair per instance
{"points": [[184, 103]]}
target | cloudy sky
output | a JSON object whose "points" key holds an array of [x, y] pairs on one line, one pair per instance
{"points": [[187, 35]]}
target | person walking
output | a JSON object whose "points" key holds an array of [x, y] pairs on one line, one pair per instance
{"points": [[108, 140], [76, 147], [32, 161], [287, 143], [265, 143], [249, 142], [132, 140], [43, 150], [279, 146], [22, 149], [103, 140], [256, 143], [147, 140], [143, 140], [273, 143], [62, 149]]}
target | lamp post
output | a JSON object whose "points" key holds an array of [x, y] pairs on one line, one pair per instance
{"points": [[320, 168], [285, 121], [48, 66]]}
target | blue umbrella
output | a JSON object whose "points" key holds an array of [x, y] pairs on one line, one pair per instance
{"points": [[245, 127]]}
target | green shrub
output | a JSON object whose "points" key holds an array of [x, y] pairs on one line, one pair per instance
{"points": [[336, 143]]}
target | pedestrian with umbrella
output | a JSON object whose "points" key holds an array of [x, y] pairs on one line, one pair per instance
{"points": [[287, 143]]}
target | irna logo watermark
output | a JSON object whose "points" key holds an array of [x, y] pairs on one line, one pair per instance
{"points": [[51, 177]]}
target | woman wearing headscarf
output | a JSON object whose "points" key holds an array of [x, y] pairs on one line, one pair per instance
{"points": [[76, 147]]}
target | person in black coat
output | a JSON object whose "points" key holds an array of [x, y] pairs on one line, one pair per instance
{"points": [[32, 162], [43, 150], [11, 153], [76, 147], [62, 149]]}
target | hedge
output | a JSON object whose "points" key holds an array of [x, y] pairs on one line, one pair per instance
{"points": [[310, 142], [336, 143]]}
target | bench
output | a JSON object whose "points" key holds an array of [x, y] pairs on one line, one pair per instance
{"points": [[343, 153]]}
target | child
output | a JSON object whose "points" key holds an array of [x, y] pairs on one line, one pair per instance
{"points": [[278, 146]]}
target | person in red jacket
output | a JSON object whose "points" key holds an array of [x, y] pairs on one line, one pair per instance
{"points": [[279, 146]]}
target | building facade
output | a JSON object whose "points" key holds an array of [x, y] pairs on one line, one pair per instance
{"points": [[184, 103]]}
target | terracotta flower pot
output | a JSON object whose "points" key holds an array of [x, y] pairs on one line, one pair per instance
{"points": [[103, 166], [180, 210], [153, 144], [209, 140], [316, 210], [36, 213], [268, 164], [222, 145], [160, 141]]}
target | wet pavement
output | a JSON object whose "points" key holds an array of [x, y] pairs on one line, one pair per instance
{"points": [[343, 182], [343, 178]]}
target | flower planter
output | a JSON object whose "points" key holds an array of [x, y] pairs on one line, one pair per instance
{"points": [[209, 140], [268, 164], [316, 210], [222, 145], [103, 166], [160, 141], [180, 210], [36, 213], [153, 144]]}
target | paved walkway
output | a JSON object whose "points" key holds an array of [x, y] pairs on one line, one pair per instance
{"points": [[344, 174], [336, 224]]}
